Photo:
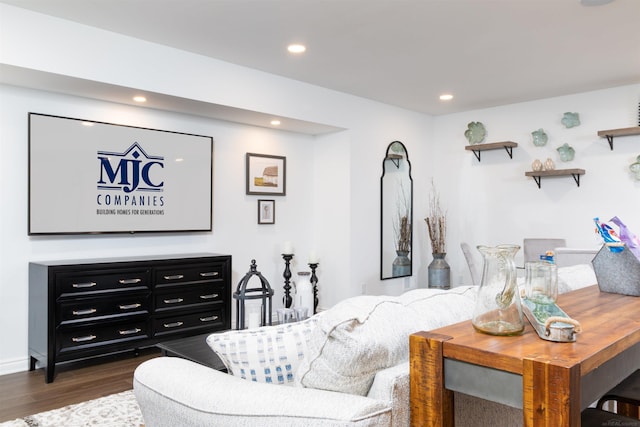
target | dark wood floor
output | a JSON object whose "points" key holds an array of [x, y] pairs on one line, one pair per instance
{"points": [[26, 393]]}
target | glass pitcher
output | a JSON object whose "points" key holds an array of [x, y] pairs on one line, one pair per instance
{"points": [[498, 310]]}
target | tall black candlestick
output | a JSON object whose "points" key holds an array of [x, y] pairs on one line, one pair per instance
{"points": [[287, 300], [314, 283]]}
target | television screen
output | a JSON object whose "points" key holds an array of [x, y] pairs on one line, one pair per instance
{"points": [[94, 177]]}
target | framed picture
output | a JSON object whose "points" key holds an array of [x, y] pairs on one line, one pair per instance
{"points": [[266, 174], [266, 211]]}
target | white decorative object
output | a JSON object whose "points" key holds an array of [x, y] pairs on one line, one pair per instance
{"points": [[536, 165], [287, 248], [304, 292], [549, 165]]}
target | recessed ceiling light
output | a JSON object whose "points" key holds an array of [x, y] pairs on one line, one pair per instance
{"points": [[139, 98], [275, 122], [296, 48], [446, 97]]}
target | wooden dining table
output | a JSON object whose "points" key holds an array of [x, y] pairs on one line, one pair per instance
{"points": [[551, 382]]}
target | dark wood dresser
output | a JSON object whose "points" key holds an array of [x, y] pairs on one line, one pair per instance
{"points": [[87, 308]]}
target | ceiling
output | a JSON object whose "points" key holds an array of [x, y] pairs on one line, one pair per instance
{"points": [[400, 52]]}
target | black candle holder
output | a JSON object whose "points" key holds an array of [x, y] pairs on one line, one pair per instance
{"points": [[287, 300], [314, 283]]}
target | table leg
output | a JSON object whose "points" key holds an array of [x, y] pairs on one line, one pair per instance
{"points": [[430, 402], [551, 394]]}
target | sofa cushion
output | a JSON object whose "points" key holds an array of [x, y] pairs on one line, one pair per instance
{"points": [[575, 277], [270, 354], [436, 308], [354, 340]]}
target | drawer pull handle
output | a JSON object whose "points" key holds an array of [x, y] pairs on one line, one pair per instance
{"points": [[209, 296], [173, 325], [83, 339], [130, 331], [208, 319], [174, 277], [129, 281], [210, 274], [173, 301], [83, 312], [129, 306], [84, 285]]}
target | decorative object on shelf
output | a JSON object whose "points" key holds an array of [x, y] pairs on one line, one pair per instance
{"points": [[287, 299], [570, 120], [536, 165], [549, 165], [635, 168], [475, 132], [266, 211], [498, 310], [438, 270], [567, 152], [244, 294], [304, 294], [313, 265], [540, 137], [266, 174]]}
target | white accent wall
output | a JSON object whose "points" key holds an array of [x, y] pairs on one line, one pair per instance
{"points": [[333, 180]]}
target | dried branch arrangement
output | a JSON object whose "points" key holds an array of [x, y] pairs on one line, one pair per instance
{"points": [[402, 224], [436, 222]]}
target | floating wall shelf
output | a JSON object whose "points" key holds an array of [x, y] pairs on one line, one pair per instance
{"points": [[609, 134], [507, 145], [537, 175], [395, 158]]}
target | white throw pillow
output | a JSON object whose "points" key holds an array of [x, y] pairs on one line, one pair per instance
{"points": [[270, 354], [575, 277], [354, 340]]}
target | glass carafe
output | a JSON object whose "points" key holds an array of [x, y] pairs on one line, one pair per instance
{"points": [[498, 310]]}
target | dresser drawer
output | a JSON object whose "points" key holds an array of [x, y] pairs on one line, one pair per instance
{"points": [[70, 339], [103, 308], [190, 273], [209, 319], [188, 296], [101, 281]]}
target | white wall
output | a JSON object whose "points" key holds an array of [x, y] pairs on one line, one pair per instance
{"points": [[492, 202], [332, 201]]}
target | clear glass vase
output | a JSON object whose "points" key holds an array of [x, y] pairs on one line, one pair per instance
{"points": [[498, 310]]}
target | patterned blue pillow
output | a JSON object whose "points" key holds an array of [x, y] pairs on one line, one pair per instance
{"points": [[270, 354]]}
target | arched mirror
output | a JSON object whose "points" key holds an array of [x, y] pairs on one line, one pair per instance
{"points": [[396, 213]]}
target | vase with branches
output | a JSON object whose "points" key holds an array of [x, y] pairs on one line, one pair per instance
{"points": [[402, 233], [438, 270]]}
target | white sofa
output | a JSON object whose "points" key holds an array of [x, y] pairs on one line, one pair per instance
{"points": [[347, 366]]}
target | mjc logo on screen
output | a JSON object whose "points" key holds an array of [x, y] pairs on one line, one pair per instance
{"points": [[124, 176]]}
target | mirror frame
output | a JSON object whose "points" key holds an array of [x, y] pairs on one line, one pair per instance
{"points": [[393, 162]]}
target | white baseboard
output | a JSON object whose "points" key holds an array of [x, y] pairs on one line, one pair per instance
{"points": [[12, 366]]}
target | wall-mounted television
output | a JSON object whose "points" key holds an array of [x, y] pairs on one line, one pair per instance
{"points": [[90, 177]]}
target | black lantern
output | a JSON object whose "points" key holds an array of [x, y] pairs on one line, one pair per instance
{"points": [[263, 293]]}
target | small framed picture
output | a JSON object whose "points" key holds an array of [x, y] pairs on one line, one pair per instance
{"points": [[266, 211], [266, 174]]}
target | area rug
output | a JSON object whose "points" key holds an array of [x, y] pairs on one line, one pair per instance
{"points": [[116, 410]]}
